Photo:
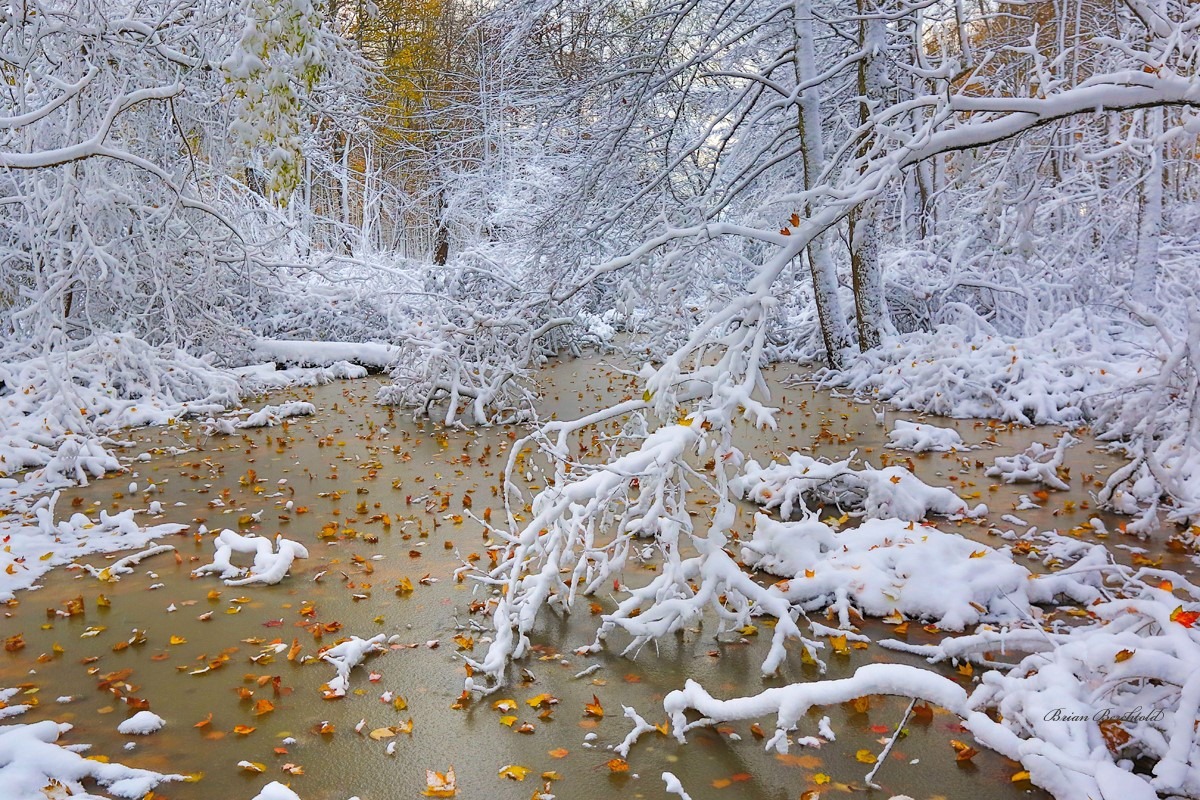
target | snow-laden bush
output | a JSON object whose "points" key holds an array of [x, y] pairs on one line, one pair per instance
{"points": [[57, 408]]}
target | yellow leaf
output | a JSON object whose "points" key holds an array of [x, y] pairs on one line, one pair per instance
{"points": [[542, 700], [978, 553], [178, 640], [865, 756], [838, 643], [399, 703], [748, 630], [507, 704], [508, 720], [1124, 655], [514, 772], [1020, 776], [404, 586], [382, 733], [820, 779], [252, 766]]}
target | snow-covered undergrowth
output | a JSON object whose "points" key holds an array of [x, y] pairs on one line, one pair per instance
{"points": [[888, 567], [272, 558], [1077, 705], [38, 542], [60, 410], [891, 492], [57, 409], [1136, 382], [33, 764]]}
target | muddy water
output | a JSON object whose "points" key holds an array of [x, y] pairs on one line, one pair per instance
{"points": [[378, 499]]}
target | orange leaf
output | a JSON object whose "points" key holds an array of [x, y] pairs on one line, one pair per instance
{"points": [[962, 750], [617, 765], [202, 723], [593, 709], [243, 730], [1185, 618]]}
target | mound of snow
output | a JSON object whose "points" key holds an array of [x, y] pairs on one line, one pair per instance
{"points": [[892, 492], [921, 437], [142, 723], [276, 791]]}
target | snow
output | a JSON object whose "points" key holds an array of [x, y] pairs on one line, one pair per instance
{"points": [[346, 656], [874, 493], [141, 724], [924, 437], [1037, 464], [276, 791], [272, 558], [267, 416], [31, 759], [38, 541], [310, 353], [888, 566]]}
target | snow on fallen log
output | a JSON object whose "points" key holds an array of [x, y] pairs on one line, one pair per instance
{"points": [[272, 560], [259, 378], [318, 354], [31, 760], [345, 657], [268, 416], [1037, 464], [891, 492], [791, 703], [124, 566], [921, 437]]}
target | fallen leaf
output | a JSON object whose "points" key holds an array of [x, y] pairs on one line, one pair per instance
{"points": [[514, 772]]}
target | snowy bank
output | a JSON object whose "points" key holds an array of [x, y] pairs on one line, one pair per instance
{"points": [[37, 541], [33, 764]]}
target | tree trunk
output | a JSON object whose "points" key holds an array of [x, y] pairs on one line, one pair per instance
{"points": [[1145, 270], [441, 236], [865, 270], [834, 331]]}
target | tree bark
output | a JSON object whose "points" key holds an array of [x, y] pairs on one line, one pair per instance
{"points": [[834, 331], [870, 308]]}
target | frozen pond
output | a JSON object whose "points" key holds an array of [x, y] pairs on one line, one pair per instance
{"points": [[378, 510]]}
